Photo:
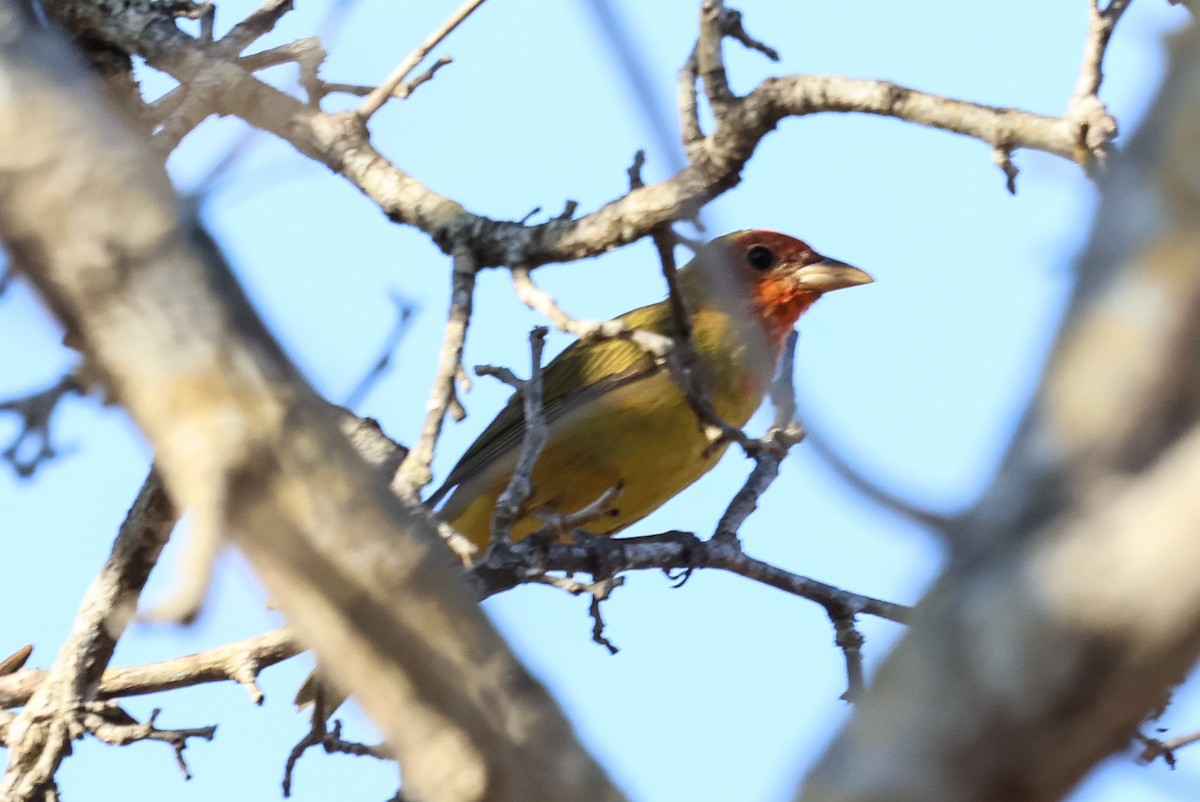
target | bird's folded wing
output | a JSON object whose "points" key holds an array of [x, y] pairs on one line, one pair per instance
{"points": [[581, 373]]}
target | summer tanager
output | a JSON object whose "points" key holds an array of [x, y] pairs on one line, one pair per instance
{"points": [[615, 416]]}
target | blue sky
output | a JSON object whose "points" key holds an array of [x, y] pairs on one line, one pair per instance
{"points": [[722, 689]]}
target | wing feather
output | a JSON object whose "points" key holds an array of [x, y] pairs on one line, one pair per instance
{"points": [[581, 373]]}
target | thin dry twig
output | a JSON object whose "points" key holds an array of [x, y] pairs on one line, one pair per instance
{"points": [[109, 723], [402, 91], [404, 312], [329, 739], [33, 445], [872, 490], [414, 472], [385, 90], [587, 330], [520, 484], [240, 661], [850, 641]]}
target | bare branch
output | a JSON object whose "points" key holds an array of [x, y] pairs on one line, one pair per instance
{"points": [[341, 142], [240, 661], [387, 89], [40, 736], [414, 472], [670, 551]]}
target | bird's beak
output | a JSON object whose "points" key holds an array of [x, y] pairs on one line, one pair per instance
{"points": [[830, 274]]}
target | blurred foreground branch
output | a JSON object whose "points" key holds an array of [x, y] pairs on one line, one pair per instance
{"points": [[1070, 607], [246, 447]]}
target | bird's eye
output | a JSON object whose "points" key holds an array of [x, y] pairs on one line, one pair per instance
{"points": [[761, 257]]}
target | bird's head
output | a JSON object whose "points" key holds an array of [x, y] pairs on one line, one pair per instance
{"points": [[776, 276]]}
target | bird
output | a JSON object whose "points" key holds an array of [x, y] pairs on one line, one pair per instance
{"points": [[617, 418]]}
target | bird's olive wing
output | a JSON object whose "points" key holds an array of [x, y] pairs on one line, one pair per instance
{"points": [[581, 373], [566, 384]]}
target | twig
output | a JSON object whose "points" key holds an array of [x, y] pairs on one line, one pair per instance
{"points": [[850, 641], [520, 484], [240, 661], [107, 722], [414, 471], [331, 741], [380, 95], [402, 91], [40, 736], [404, 311], [559, 525], [669, 551], [1101, 24], [683, 361], [36, 411], [255, 26], [587, 330], [873, 491], [715, 20], [1155, 748]]}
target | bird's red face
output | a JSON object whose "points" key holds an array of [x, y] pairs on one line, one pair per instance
{"points": [[781, 275]]}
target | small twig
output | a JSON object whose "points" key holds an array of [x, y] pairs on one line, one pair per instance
{"points": [[850, 641], [257, 25], [715, 21], [707, 62], [36, 411], [683, 361], [520, 484], [771, 448], [604, 589], [560, 525], [380, 95], [107, 722], [1155, 748], [873, 491], [332, 742], [1094, 128], [404, 311], [1101, 24], [402, 91], [587, 330], [619, 33], [240, 661], [599, 591], [1002, 156], [414, 472]]}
